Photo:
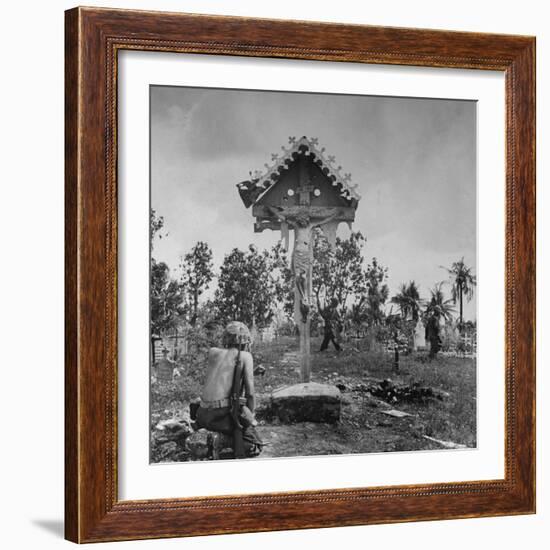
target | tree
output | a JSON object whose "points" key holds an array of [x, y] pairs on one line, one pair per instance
{"points": [[408, 301], [156, 224], [438, 306], [197, 273], [377, 293], [463, 282], [338, 272], [402, 301], [248, 287], [167, 299], [284, 280]]}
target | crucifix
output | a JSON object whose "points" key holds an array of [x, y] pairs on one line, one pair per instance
{"points": [[302, 194], [303, 222], [302, 269]]}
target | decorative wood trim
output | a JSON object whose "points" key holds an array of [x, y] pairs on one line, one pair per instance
{"points": [[93, 38], [346, 212]]}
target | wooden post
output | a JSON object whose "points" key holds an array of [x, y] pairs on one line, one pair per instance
{"points": [[304, 330], [305, 189], [396, 358]]}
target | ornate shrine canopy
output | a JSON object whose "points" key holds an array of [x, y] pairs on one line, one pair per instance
{"points": [[301, 179], [302, 190]]}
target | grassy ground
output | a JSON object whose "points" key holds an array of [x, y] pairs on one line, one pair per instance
{"points": [[363, 427]]}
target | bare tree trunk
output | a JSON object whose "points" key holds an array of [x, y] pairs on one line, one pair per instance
{"points": [[304, 329], [195, 308], [460, 297]]}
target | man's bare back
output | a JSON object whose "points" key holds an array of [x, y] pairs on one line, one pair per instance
{"points": [[219, 375]]}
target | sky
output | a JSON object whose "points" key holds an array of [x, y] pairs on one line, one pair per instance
{"points": [[413, 159]]}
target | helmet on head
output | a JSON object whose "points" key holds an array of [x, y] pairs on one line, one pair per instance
{"points": [[236, 334]]}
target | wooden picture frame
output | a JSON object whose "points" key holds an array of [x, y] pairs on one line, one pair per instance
{"points": [[93, 39]]}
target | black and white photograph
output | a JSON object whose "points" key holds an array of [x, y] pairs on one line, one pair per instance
{"points": [[312, 274], [274, 274]]}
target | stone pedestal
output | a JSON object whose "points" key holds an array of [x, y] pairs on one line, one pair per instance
{"points": [[307, 402]]}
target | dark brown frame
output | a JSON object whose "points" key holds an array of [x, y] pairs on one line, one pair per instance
{"points": [[92, 509]]}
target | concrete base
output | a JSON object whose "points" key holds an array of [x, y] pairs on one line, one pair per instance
{"points": [[307, 402]]}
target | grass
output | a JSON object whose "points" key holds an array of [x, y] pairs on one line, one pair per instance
{"points": [[363, 427]]}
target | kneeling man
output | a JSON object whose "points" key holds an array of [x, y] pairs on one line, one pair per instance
{"points": [[230, 374]]}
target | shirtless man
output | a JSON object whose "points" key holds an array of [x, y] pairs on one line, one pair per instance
{"points": [[215, 412]]}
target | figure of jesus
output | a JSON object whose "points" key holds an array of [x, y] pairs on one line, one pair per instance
{"points": [[302, 255]]}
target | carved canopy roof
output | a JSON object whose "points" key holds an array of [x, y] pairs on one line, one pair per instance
{"points": [[261, 182]]}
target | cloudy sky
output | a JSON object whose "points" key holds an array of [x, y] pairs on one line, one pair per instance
{"points": [[414, 161]]}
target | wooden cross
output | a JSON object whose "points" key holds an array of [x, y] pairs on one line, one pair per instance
{"points": [[305, 191]]}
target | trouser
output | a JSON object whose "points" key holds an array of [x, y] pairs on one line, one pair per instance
{"points": [[215, 420], [329, 337], [220, 420]]}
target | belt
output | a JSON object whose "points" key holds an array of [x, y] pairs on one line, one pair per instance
{"points": [[220, 403]]}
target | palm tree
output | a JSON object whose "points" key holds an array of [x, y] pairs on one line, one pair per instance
{"points": [[463, 282], [408, 300], [438, 306], [401, 300]]}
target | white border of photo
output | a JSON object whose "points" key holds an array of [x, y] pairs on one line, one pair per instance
{"points": [[140, 480]]}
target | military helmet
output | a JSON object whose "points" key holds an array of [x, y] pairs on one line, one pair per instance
{"points": [[236, 333]]}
